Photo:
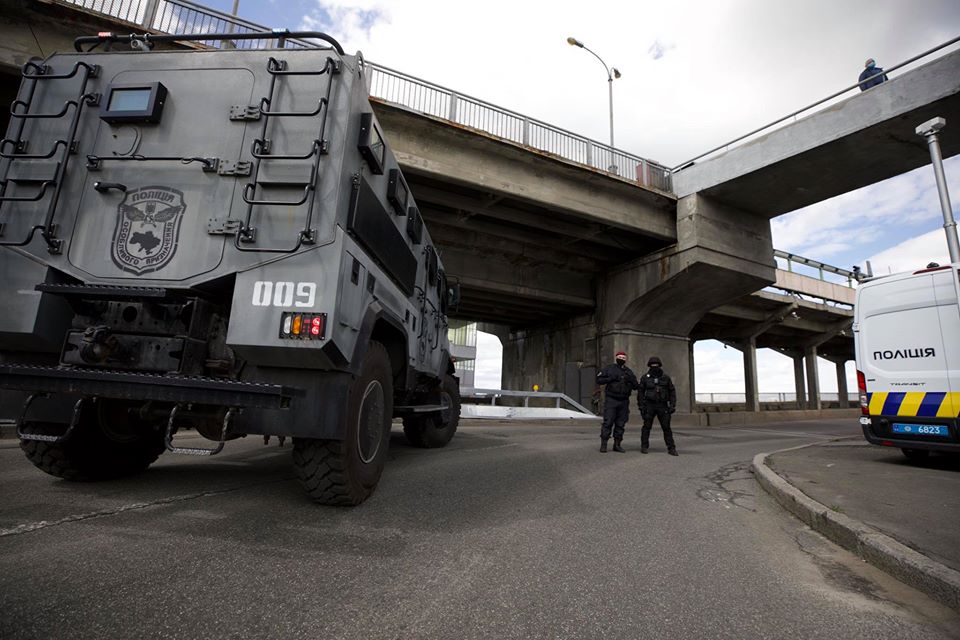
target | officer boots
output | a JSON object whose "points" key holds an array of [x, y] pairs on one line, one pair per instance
{"points": [[617, 447], [603, 446]]}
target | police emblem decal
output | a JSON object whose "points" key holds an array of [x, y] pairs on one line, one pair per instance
{"points": [[148, 229]]}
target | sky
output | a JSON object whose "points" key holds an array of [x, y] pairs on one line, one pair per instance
{"points": [[695, 75]]}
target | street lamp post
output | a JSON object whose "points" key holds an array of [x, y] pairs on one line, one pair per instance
{"points": [[929, 131], [612, 72]]}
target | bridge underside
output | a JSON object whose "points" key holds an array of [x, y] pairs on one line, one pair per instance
{"points": [[520, 264], [527, 235], [780, 322]]}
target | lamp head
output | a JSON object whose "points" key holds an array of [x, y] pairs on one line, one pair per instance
{"points": [[573, 41], [931, 127], [616, 72]]}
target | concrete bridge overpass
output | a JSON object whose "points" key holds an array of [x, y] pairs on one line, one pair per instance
{"points": [[567, 261]]}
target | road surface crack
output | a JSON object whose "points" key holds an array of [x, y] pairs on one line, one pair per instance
{"points": [[29, 527], [719, 490]]}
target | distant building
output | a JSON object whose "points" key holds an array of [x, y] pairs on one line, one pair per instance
{"points": [[463, 348]]}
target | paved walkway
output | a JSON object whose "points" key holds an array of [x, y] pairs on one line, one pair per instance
{"points": [[899, 516], [918, 505]]}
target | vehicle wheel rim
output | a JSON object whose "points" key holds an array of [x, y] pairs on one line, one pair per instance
{"points": [[370, 422]]}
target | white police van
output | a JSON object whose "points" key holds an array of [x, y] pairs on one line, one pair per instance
{"points": [[907, 336]]}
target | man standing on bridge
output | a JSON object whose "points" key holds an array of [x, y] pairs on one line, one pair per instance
{"points": [[620, 381], [871, 76], [656, 397]]}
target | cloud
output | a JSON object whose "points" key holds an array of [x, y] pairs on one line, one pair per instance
{"points": [[658, 49], [912, 254], [350, 21], [879, 212], [736, 65], [720, 370], [489, 361]]}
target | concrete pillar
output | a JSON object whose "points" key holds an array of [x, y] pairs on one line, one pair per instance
{"points": [[842, 383], [798, 381], [749, 349], [539, 355], [693, 385], [674, 351], [813, 379]]}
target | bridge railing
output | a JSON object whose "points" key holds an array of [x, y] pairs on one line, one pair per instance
{"points": [[741, 398], [181, 17], [431, 99]]}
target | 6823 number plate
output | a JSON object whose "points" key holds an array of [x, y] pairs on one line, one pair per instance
{"points": [[920, 429]]}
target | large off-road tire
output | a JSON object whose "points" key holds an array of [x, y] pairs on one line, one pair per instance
{"points": [[433, 431], [346, 472], [108, 442]]}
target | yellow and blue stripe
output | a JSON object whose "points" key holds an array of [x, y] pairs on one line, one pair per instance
{"points": [[920, 404]]}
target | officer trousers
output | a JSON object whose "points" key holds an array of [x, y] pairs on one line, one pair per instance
{"points": [[615, 414], [663, 415]]}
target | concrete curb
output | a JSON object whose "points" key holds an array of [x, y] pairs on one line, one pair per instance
{"points": [[937, 580]]}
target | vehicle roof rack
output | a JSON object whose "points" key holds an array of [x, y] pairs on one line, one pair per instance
{"points": [[282, 35]]}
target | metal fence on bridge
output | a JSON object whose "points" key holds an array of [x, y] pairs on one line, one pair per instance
{"points": [[181, 17], [741, 398]]}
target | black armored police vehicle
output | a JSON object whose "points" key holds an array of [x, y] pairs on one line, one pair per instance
{"points": [[216, 239]]}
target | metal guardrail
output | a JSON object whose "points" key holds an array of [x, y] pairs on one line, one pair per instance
{"points": [[740, 398], [181, 17], [821, 267], [425, 97], [494, 394]]}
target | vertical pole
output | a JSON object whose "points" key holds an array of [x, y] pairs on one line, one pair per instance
{"points": [[798, 381], [750, 374], [150, 14], [610, 87], [693, 380], [813, 380], [842, 393], [452, 113], [929, 131]]}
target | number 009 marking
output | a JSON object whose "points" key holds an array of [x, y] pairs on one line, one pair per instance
{"points": [[284, 294]]}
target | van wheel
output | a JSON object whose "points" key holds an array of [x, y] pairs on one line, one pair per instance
{"points": [[346, 472], [108, 442], [916, 455], [436, 430]]}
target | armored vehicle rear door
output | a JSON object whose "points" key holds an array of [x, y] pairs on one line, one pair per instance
{"points": [[158, 175]]}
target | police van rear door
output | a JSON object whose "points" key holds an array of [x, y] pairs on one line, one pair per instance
{"points": [[945, 287], [901, 347], [159, 173]]}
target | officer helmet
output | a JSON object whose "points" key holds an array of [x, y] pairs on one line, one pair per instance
{"points": [[654, 360]]}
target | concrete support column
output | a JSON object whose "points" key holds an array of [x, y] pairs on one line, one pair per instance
{"points": [[813, 380], [674, 351], [800, 386], [693, 386], [842, 383], [750, 374]]}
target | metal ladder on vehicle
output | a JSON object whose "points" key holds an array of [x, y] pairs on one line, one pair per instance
{"points": [[262, 151], [15, 149]]}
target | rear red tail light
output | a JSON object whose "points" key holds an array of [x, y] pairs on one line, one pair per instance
{"points": [[862, 389]]}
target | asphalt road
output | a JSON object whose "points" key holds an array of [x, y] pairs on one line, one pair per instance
{"points": [[513, 531]]}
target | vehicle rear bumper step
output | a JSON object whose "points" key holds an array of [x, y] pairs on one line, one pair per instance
{"points": [[146, 386]]}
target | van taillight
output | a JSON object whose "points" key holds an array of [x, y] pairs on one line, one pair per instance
{"points": [[862, 389]]}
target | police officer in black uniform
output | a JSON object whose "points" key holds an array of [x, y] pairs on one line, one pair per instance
{"points": [[656, 397], [620, 381]]}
